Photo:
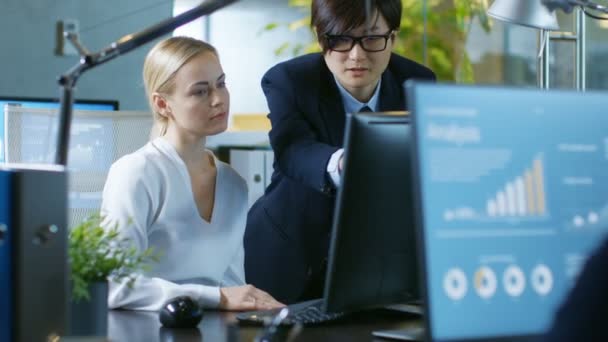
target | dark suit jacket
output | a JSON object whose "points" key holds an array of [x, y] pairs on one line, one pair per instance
{"points": [[288, 229], [584, 314]]}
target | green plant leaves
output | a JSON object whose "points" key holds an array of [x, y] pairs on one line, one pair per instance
{"points": [[298, 24], [96, 253], [281, 49], [270, 26]]}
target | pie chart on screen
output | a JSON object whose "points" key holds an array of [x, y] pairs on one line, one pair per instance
{"points": [[485, 282]]}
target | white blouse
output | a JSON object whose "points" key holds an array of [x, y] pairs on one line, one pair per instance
{"points": [[148, 194]]}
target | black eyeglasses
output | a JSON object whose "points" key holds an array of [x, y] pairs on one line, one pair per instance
{"points": [[345, 43]]}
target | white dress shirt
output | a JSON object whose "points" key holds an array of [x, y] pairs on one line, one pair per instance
{"points": [[148, 194]]}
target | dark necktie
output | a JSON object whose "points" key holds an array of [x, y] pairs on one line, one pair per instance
{"points": [[365, 109]]}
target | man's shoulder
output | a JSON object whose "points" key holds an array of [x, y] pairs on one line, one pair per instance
{"points": [[301, 66], [404, 69]]}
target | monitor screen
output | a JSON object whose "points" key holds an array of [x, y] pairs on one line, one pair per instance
{"points": [[40, 150], [39, 102], [512, 199], [372, 259], [33, 139]]}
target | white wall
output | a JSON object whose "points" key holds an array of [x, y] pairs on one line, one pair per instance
{"points": [[246, 51], [28, 66]]}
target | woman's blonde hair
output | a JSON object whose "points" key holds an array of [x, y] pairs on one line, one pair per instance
{"points": [[161, 65]]}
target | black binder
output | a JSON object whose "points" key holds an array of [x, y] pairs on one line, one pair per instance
{"points": [[33, 252]]}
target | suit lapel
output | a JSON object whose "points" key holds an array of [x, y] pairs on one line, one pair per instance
{"points": [[392, 97], [331, 107]]}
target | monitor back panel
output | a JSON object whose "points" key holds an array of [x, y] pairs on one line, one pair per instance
{"points": [[372, 258]]}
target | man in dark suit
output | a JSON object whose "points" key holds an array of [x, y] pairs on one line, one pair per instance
{"points": [[583, 316], [288, 229]]}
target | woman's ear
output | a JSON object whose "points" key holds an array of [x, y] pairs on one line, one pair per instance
{"points": [[161, 105]]}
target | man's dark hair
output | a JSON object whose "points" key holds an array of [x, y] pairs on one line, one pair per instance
{"points": [[339, 16]]}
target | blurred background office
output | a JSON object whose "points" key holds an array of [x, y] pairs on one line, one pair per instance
{"points": [[454, 37]]}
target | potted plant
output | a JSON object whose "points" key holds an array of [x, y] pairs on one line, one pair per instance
{"points": [[96, 253]]}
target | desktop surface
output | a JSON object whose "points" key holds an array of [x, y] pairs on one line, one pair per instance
{"points": [[512, 197], [222, 326]]}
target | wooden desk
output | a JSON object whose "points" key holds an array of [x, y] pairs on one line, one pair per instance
{"points": [[134, 326]]}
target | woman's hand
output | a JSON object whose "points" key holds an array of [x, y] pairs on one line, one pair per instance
{"points": [[246, 298]]}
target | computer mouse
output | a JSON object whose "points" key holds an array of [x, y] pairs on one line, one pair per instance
{"points": [[181, 312], [176, 335]]}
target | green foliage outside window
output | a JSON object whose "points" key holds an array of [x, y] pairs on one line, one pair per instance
{"points": [[448, 23]]}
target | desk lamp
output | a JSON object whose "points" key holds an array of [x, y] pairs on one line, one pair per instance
{"points": [[568, 5], [533, 13], [33, 209]]}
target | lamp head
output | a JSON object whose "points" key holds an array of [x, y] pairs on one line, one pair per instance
{"points": [[565, 5], [531, 13]]}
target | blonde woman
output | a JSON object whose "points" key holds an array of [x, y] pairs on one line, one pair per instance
{"points": [[176, 196]]}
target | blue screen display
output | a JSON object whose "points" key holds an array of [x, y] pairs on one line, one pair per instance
{"points": [[52, 104], [88, 153], [513, 188], [39, 125]]}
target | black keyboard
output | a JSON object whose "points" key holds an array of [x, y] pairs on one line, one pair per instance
{"points": [[307, 313]]}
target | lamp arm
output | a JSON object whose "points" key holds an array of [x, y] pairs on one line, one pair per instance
{"points": [[592, 5], [125, 44], [568, 5]]}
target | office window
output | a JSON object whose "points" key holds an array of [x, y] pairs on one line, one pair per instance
{"points": [[456, 48], [508, 54]]}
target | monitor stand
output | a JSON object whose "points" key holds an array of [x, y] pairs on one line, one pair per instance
{"points": [[407, 334], [411, 308], [413, 333]]}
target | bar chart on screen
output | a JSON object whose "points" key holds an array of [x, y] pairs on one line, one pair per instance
{"points": [[521, 197]]}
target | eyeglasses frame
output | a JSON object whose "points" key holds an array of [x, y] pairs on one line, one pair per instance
{"points": [[359, 40]]}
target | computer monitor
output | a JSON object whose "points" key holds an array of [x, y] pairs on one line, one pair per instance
{"points": [[372, 258], [45, 102], [97, 139], [30, 150], [372, 253], [512, 197]]}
